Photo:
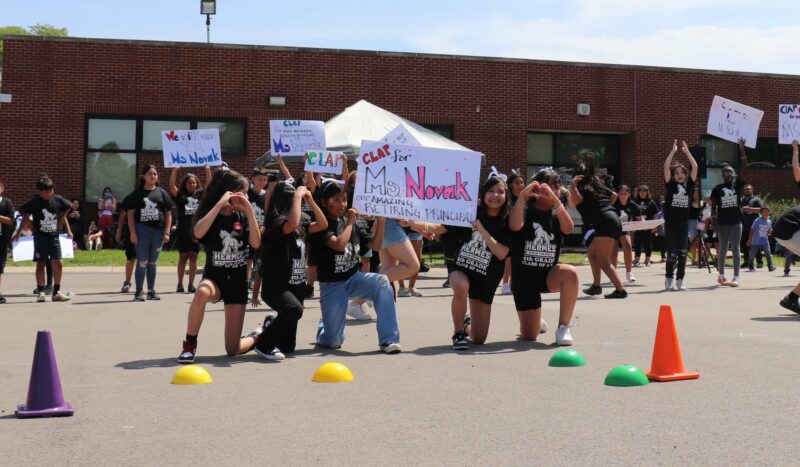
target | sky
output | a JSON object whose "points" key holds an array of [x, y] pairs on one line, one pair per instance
{"points": [[739, 35]]}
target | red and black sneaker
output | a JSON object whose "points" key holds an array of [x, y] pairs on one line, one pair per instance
{"points": [[189, 349]]}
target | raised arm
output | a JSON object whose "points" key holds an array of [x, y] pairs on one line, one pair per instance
{"points": [[293, 219], [574, 198], [517, 217], [795, 163], [692, 162], [345, 170], [668, 162], [283, 168], [338, 243], [742, 159], [320, 221], [207, 171], [173, 177]]}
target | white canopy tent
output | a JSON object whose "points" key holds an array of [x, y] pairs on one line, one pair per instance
{"points": [[366, 121]]}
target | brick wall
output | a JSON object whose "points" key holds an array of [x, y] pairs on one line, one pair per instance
{"points": [[55, 83]]}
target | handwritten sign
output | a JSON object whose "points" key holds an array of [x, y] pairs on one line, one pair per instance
{"points": [[22, 249], [731, 120], [641, 225], [191, 148], [788, 123], [417, 183], [296, 137], [401, 135], [326, 162]]}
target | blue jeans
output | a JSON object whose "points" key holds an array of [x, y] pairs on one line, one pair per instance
{"points": [[759, 248], [333, 297], [147, 251]]}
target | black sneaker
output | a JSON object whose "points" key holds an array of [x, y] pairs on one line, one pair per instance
{"points": [[593, 290], [790, 304], [309, 291], [446, 284], [2, 299], [618, 294], [179, 289], [760, 265], [187, 356], [771, 268], [138, 296], [191, 289], [152, 295], [423, 268], [467, 322], [460, 341]]}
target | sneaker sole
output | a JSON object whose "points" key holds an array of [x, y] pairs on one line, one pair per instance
{"points": [[461, 348], [391, 351], [789, 307], [269, 357], [185, 361]]}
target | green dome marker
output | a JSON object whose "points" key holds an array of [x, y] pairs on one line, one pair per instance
{"points": [[567, 357], [626, 375]]}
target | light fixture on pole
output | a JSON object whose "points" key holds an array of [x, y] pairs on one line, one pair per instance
{"points": [[208, 8]]}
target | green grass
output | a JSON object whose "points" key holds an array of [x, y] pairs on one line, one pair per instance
{"points": [[109, 258]]}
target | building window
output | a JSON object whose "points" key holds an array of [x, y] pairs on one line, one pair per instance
{"points": [[108, 134], [151, 132], [767, 153], [557, 149], [232, 136]]}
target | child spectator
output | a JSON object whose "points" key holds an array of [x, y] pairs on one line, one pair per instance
{"points": [[758, 239], [94, 237]]}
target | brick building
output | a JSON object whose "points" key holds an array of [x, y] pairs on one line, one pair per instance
{"points": [[90, 111]]}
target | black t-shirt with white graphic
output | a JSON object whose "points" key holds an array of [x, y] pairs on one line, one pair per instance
{"points": [[727, 198], [627, 212], [333, 266], [537, 247], [285, 265], [187, 207], [150, 206], [594, 202], [468, 249], [45, 213], [676, 200], [6, 230], [226, 243], [648, 208], [257, 201]]}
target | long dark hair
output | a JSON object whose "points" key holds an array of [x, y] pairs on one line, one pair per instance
{"points": [[327, 191], [280, 203], [586, 165], [222, 182], [140, 180], [182, 191], [488, 185], [643, 188]]}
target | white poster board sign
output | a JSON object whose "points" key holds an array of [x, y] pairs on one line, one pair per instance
{"points": [[401, 135], [633, 226], [22, 249], [296, 137], [731, 120], [788, 123], [417, 183], [326, 162], [191, 148]]}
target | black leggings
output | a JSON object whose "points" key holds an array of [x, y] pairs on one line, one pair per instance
{"points": [[677, 239], [641, 238], [282, 333]]}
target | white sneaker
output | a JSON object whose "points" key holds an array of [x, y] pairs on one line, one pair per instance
{"points": [[403, 292], [391, 348], [680, 285], [505, 288], [356, 311], [542, 327], [563, 337], [274, 355], [630, 277], [41, 297], [415, 293], [668, 284]]}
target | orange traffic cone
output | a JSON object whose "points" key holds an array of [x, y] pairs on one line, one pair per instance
{"points": [[667, 362]]}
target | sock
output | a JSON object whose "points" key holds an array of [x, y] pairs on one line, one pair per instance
{"points": [[40, 288], [792, 296], [191, 339], [56, 288]]}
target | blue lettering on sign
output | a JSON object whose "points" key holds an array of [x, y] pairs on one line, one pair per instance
{"points": [[177, 158], [288, 123], [278, 146], [213, 157]]}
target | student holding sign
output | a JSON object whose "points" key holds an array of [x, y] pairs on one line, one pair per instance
{"points": [[475, 261], [187, 197], [539, 221], [593, 199], [679, 185], [726, 205]]}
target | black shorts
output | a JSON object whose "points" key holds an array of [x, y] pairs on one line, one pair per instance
{"points": [[232, 284], [185, 244], [607, 224], [3, 256], [528, 287], [481, 287], [46, 247]]}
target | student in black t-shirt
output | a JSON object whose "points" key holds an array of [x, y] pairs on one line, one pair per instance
{"points": [[642, 238], [593, 200], [628, 211], [283, 267], [6, 232], [515, 182], [726, 206], [187, 197], [149, 223], [226, 226], [538, 221], [679, 186], [123, 237], [257, 195], [337, 252], [475, 261], [47, 212], [787, 233]]}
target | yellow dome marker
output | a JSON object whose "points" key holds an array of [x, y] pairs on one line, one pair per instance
{"points": [[192, 374], [332, 372]]}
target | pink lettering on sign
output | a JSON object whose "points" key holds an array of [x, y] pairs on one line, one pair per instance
{"points": [[417, 188]]}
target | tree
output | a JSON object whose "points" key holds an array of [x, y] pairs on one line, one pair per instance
{"points": [[35, 30]]}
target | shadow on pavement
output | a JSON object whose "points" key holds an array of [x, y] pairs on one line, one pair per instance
{"points": [[517, 345], [782, 318]]}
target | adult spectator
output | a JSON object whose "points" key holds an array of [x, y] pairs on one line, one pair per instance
{"points": [[77, 223], [751, 207]]}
